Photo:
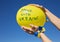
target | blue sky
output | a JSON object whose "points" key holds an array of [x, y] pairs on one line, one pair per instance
{"points": [[11, 32]]}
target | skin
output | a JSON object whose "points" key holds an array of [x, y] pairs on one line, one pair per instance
{"points": [[51, 17], [54, 20], [33, 29], [44, 38]]}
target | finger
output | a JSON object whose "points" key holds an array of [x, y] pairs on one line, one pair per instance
{"points": [[36, 5], [39, 6], [34, 28], [31, 32], [28, 30], [32, 4], [46, 10], [25, 28]]}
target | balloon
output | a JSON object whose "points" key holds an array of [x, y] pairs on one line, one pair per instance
{"points": [[29, 14]]}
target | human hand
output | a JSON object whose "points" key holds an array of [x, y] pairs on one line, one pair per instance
{"points": [[43, 8], [34, 29], [30, 30]]}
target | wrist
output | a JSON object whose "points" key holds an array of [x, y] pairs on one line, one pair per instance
{"points": [[40, 30]]}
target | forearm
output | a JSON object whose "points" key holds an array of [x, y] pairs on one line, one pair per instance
{"points": [[44, 38], [55, 20]]}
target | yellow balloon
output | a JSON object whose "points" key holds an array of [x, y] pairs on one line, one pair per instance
{"points": [[30, 15]]}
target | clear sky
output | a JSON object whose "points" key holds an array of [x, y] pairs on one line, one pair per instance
{"points": [[11, 32]]}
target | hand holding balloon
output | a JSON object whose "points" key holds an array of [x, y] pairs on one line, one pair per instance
{"points": [[35, 30], [30, 30]]}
